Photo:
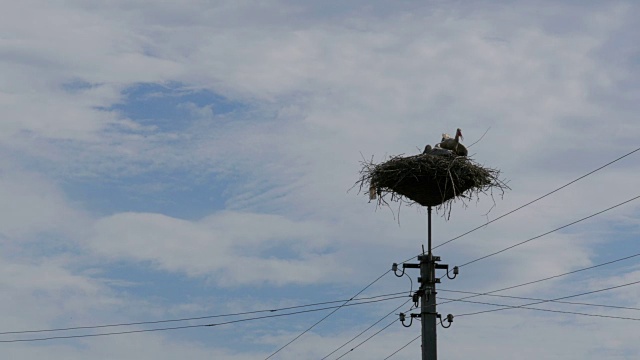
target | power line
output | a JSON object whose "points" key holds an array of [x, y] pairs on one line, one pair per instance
{"points": [[550, 277], [367, 339], [540, 198], [103, 334], [537, 299], [374, 324], [324, 318], [200, 325], [529, 203], [545, 301], [397, 351], [374, 334], [193, 318], [365, 330], [549, 232], [526, 307]]}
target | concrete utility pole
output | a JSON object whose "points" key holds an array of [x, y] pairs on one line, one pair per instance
{"points": [[428, 309], [426, 294]]}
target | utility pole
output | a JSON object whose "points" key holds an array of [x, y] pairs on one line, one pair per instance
{"points": [[428, 309], [426, 295]]}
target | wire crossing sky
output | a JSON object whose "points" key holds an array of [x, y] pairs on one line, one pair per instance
{"points": [[200, 317], [184, 326], [549, 232], [538, 198], [554, 301], [549, 277]]}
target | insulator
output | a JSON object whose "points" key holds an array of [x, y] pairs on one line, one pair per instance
{"points": [[394, 267], [455, 270]]}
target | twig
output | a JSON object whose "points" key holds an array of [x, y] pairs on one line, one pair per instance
{"points": [[485, 133]]}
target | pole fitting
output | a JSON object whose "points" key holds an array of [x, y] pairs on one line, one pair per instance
{"points": [[403, 317], [394, 268], [449, 319], [456, 271]]}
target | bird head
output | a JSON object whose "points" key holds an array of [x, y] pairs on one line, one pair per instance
{"points": [[459, 133]]}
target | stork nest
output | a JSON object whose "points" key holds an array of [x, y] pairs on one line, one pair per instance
{"points": [[428, 179]]}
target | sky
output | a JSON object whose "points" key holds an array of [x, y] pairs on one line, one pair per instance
{"points": [[167, 160]]}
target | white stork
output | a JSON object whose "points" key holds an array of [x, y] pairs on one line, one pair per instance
{"points": [[454, 144]]}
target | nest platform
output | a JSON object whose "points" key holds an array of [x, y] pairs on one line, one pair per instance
{"points": [[428, 179]]}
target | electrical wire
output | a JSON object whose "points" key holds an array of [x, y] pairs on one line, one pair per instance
{"points": [[324, 318], [549, 232], [537, 299], [539, 198], [527, 204], [375, 323], [397, 351], [200, 325], [365, 330], [367, 339], [192, 318], [551, 300], [526, 307], [374, 334], [550, 277]]}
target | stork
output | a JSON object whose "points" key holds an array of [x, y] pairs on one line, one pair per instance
{"points": [[454, 144], [445, 136], [437, 150]]}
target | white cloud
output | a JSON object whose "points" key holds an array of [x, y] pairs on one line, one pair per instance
{"points": [[278, 250], [31, 204]]}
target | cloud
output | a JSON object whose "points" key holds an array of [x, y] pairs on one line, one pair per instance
{"points": [[222, 245], [30, 205]]}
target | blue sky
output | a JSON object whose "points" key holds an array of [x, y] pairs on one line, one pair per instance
{"points": [[164, 109], [177, 160]]}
